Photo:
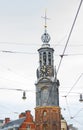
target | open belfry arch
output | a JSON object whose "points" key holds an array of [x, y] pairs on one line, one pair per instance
{"points": [[47, 111]]}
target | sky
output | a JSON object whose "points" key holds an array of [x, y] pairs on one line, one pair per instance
{"points": [[21, 27]]}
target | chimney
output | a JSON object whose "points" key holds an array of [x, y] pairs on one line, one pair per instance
{"points": [[7, 120], [29, 116], [28, 113]]}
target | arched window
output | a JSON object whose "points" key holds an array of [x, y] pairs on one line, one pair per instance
{"points": [[44, 58], [49, 58], [40, 60], [44, 113]]}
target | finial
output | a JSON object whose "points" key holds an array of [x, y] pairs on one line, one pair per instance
{"points": [[45, 37], [46, 18]]}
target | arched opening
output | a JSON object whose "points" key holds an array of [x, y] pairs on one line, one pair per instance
{"points": [[49, 58], [44, 58], [44, 113]]}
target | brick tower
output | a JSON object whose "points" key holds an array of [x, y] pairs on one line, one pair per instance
{"points": [[47, 111]]}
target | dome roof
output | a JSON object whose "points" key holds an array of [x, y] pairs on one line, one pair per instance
{"points": [[45, 37]]}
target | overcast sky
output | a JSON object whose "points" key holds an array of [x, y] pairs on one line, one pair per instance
{"points": [[21, 27]]}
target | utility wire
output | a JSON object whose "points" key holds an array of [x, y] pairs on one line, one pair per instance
{"points": [[74, 84], [78, 122], [16, 89], [69, 35], [77, 113], [34, 53], [58, 44], [8, 51], [7, 108], [67, 105]]}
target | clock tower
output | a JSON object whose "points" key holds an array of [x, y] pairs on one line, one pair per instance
{"points": [[47, 111]]}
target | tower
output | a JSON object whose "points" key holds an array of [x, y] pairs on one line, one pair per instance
{"points": [[47, 111]]}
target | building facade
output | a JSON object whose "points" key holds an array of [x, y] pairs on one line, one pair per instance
{"points": [[25, 122], [29, 123], [47, 111], [64, 125]]}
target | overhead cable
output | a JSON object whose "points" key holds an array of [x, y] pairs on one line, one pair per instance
{"points": [[68, 106], [78, 122], [77, 113], [34, 53], [74, 84], [69, 34]]}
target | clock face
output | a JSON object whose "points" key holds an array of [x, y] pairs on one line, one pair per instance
{"points": [[43, 70], [46, 71], [49, 71]]}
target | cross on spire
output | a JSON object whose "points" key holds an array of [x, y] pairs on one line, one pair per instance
{"points": [[46, 18]]}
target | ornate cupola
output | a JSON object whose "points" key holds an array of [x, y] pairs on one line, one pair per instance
{"points": [[47, 111]]}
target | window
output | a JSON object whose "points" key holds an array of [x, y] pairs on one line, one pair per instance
{"points": [[45, 113], [49, 58], [44, 58], [28, 127]]}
